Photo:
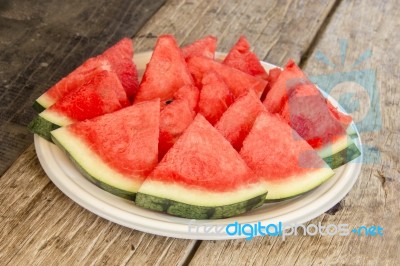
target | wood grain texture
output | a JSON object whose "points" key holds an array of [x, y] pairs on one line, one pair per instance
{"points": [[41, 226], [41, 42], [277, 30], [374, 199]]}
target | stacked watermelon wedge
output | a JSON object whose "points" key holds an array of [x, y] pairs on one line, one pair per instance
{"points": [[197, 137]]}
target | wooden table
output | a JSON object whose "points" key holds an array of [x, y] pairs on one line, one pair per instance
{"points": [[40, 42]]}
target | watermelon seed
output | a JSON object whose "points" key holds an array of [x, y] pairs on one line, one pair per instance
{"points": [[169, 101]]}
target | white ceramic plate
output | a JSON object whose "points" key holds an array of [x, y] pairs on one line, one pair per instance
{"points": [[297, 210]]}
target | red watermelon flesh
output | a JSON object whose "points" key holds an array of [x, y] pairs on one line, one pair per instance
{"points": [[277, 154], [187, 92], [215, 97], [176, 117], [100, 95], [202, 158], [121, 59], [117, 58], [344, 119], [305, 108], [74, 80], [165, 73], [203, 47], [277, 94], [125, 139], [237, 81], [238, 120], [240, 57], [273, 76]]}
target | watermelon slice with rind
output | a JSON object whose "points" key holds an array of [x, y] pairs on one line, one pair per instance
{"points": [[314, 118], [202, 177], [324, 130], [115, 151], [101, 94], [279, 156], [237, 81], [166, 72], [241, 57], [117, 58], [203, 47], [238, 119]]}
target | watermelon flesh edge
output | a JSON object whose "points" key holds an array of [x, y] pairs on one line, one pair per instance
{"points": [[120, 192], [203, 174], [280, 157], [94, 167], [183, 202], [118, 163]]}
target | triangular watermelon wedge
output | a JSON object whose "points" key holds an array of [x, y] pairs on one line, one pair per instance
{"points": [[165, 73], [278, 155], [241, 57], [115, 151], [117, 58], [102, 94], [237, 81], [320, 124], [215, 97], [238, 120], [203, 47], [176, 116], [302, 105], [201, 177]]}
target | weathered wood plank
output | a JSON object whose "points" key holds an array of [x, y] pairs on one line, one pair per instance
{"points": [[374, 199], [277, 30], [42, 41], [42, 226]]}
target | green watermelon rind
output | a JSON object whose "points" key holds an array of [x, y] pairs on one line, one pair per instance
{"points": [[339, 152], [42, 127], [190, 211], [200, 203], [296, 185], [93, 165], [342, 157], [38, 107]]}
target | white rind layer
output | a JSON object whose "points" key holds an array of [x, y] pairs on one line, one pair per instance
{"points": [[340, 144], [198, 197], [92, 163], [295, 185], [45, 101], [56, 118]]}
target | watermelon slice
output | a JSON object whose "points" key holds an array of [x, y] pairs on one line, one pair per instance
{"points": [[120, 57], [277, 154], [203, 47], [277, 94], [202, 177], [237, 81], [240, 57], [176, 117], [117, 58], [325, 129], [273, 76], [102, 94], [115, 151], [215, 97], [238, 120], [165, 73]]}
